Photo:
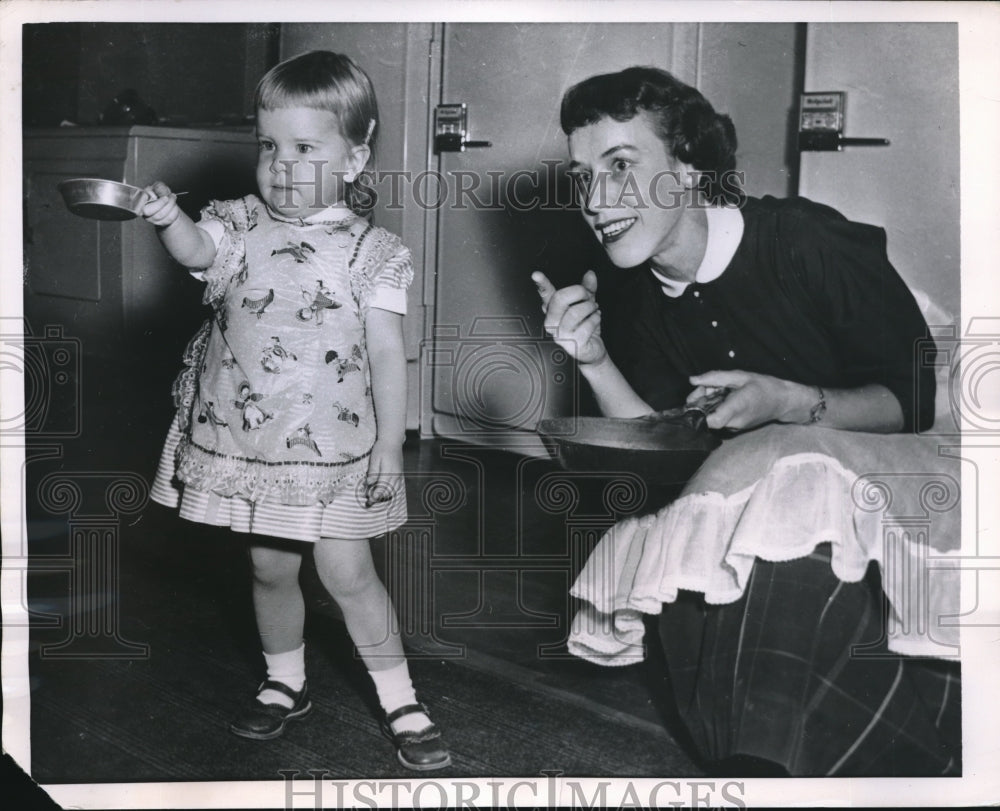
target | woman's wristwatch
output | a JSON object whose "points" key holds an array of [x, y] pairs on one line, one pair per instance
{"points": [[818, 410]]}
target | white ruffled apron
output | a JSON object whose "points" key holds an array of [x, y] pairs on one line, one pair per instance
{"points": [[776, 493]]}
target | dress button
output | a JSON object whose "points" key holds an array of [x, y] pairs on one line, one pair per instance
{"points": [[715, 323], [696, 294], [732, 353]]}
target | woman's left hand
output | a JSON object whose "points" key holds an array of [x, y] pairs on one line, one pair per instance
{"points": [[753, 399], [385, 473]]}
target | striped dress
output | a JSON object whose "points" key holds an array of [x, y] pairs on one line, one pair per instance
{"points": [[275, 421]]}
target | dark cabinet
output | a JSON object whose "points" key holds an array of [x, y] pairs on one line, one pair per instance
{"points": [[108, 290]]}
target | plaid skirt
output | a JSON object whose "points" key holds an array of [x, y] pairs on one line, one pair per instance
{"points": [[815, 690], [804, 587]]}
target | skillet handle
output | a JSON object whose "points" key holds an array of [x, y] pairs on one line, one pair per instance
{"points": [[707, 404], [151, 197], [696, 414], [693, 414]]}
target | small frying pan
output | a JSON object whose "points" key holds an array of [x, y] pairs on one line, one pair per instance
{"points": [[100, 199]]}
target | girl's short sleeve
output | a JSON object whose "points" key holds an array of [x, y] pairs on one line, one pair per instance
{"points": [[381, 271], [392, 282], [216, 230], [225, 221]]}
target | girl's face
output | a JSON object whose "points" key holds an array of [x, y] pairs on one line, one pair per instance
{"points": [[304, 162], [632, 189]]}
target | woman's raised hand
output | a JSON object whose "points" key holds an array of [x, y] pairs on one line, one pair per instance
{"points": [[162, 209], [572, 317], [753, 399]]}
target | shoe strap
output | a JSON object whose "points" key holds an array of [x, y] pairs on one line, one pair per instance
{"points": [[406, 709], [281, 687], [431, 733]]}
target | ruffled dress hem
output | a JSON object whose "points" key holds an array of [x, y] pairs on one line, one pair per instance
{"points": [[344, 515], [707, 542]]}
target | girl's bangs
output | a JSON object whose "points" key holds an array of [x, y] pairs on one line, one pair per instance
{"points": [[277, 96]]}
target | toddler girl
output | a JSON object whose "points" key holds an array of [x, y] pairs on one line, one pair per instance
{"points": [[290, 416]]}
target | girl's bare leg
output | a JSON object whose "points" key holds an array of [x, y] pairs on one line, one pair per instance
{"points": [[280, 612], [277, 596], [347, 571]]}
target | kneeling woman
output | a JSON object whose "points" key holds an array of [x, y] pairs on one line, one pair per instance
{"points": [[771, 574]]}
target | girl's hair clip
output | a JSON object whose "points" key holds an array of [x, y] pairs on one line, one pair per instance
{"points": [[371, 129]]}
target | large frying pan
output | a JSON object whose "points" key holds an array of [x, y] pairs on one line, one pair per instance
{"points": [[664, 448]]}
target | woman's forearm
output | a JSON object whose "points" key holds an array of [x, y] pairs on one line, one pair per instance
{"points": [[755, 399], [870, 408], [615, 397]]}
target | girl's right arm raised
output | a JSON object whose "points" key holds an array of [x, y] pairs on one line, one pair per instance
{"points": [[574, 322], [188, 244]]}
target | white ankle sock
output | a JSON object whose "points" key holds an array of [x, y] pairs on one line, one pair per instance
{"points": [[288, 668], [395, 690]]}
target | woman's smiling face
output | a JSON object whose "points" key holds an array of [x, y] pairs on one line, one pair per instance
{"points": [[632, 188]]}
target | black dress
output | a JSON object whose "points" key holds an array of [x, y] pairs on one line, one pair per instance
{"points": [[809, 296], [795, 676]]}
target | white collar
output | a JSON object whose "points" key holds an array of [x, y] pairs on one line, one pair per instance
{"points": [[330, 214], [725, 230]]}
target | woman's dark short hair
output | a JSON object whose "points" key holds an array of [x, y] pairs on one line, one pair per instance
{"points": [[686, 122]]}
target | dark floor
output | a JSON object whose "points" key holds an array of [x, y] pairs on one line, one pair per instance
{"points": [[144, 641]]}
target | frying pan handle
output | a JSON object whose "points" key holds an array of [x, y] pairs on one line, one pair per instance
{"points": [[698, 411], [150, 197], [707, 404], [692, 414]]}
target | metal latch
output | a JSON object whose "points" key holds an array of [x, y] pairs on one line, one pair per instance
{"points": [[451, 129], [821, 124]]}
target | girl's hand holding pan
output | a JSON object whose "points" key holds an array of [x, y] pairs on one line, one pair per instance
{"points": [[572, 317], [161, 210]]}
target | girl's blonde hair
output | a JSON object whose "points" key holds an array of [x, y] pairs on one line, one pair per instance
{"points": [[323, 80]]}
